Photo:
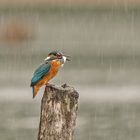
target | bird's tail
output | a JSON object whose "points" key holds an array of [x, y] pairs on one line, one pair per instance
{"points": [[35, 90]]}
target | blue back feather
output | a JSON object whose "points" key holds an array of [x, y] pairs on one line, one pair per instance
{"points": [[42, 70]]}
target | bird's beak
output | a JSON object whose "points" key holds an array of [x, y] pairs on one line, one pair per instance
{"points": [[68, 58]]}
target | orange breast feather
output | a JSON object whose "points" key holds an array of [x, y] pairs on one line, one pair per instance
{"points": [[55, 65]]}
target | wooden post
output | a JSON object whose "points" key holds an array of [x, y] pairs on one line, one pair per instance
{"points": [[59, 107]]}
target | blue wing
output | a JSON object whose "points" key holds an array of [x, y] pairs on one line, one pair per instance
{"points": [[42, 70]]}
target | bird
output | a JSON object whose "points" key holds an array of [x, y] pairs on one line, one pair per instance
{"points": [[47, 70]]}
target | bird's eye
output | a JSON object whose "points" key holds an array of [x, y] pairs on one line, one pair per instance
{"points": [[59, 55]]}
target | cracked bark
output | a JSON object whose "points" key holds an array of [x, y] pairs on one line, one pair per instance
{"points": [[59, 107]]}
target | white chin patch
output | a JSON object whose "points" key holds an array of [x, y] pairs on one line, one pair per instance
{"points": [[47, 58], [64, 58]]}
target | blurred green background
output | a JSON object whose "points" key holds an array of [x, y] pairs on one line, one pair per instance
{"points": [[103, 41]]}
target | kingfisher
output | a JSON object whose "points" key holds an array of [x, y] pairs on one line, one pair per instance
{"points": [[47, 70]]}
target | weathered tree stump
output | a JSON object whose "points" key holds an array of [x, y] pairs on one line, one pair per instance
{"points": [[59, 107]]}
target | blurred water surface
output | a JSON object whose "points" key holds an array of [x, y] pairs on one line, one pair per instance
{"points": [[105, 69]]}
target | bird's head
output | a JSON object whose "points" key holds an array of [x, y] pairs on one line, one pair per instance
{"points": [[57, 55]]}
